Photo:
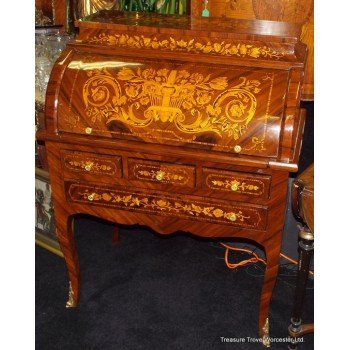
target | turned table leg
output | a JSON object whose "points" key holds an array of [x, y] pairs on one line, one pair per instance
{"points": [[296, 328], [65, 234]]}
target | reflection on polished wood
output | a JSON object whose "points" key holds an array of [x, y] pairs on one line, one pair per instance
{"points": [[296, 11], [87, 7], [179, 124]]}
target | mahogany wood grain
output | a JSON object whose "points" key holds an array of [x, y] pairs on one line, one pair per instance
{"points": [[179, 124]]}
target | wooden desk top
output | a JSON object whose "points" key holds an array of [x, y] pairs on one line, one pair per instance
{"points": [[114, 19]]}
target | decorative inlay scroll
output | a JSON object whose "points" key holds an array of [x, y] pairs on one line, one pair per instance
{"points": [[159, 175], [166, 205], [90, 164], [237, 185], [140, 97], [198, 46], [257, 143], [166, 174], [233, 182], [72, 120]]}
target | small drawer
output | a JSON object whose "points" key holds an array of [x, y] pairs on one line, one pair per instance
{"points": [[236, 183], [91, 165], [198, 209], [161, 173]]}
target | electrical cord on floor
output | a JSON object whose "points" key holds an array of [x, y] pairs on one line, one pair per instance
{"points": [[254, 265], [252, 260]]}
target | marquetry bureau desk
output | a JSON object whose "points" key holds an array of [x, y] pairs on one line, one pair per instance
{"points": [[177, 123]]}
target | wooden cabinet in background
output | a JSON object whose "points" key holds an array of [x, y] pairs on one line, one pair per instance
{"points": [[56, 10], [296, 11]]}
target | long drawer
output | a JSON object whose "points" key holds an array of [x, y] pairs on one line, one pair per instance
{"points": [[200, 209]]}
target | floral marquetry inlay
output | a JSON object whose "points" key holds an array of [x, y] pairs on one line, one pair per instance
{"points": [[192, 102], [166, 174], [166, 205], [160, 175], [236, 184], [92, 165], [199, 46]]}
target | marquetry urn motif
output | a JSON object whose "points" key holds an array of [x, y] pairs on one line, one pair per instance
{"points": [[139, 97], [228, 110]]}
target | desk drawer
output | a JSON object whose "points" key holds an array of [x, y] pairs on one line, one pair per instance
{"points": [[161, 173], [90, 165], [198, 209], [236, 184]]}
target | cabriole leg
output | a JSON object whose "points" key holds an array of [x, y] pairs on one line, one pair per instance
{"points": [[65, 234], [272, 262]]}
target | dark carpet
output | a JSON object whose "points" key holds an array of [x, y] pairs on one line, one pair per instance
{"points": [[155, 292]]}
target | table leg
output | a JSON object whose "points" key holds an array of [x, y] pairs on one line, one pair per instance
{"points": [[272, 253], [306, 247], [65, 234]]}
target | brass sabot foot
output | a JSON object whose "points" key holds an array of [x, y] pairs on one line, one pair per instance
{"points": [[71, 302], [266, 337]]}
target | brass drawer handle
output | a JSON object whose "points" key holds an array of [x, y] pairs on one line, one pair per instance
{"points": [[160, 175], [91, 197], [237, 148], [234, 187], [88, 130], [88, 166], [232, 217]]}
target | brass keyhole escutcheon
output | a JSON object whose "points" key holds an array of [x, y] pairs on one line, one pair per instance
{"points": [[160, 175], [91, 197], [237, 148], [233, 217], [88, 130]]}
